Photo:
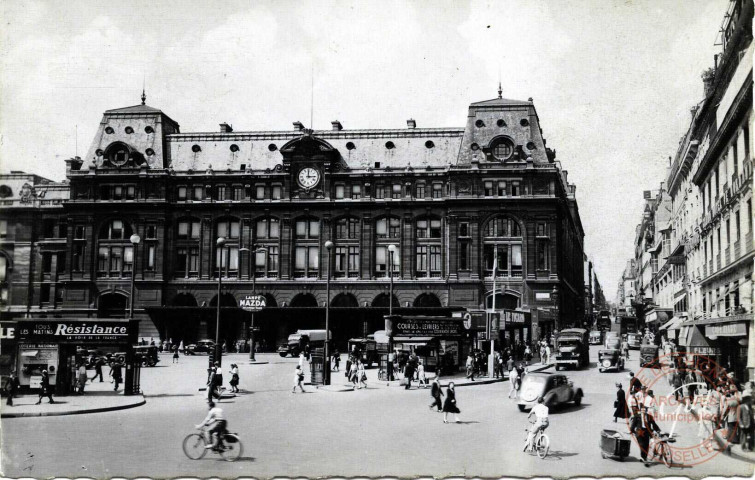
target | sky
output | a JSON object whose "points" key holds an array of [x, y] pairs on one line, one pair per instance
{"points": [[612, 81]]}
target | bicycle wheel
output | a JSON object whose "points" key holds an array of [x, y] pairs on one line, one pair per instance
{"points": [[542, 444], [231, 450], [194, 446], [663, 451]]}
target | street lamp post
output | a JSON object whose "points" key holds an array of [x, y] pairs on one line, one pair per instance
{"points": [[220, 243], [554, 296], [128, 388], [326, 360], [135, 239], [391, 252]]}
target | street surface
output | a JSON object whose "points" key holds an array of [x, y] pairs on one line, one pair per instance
{"points": [[380, 431]]}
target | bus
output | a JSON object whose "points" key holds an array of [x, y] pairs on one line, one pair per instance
{"points": [[604, 320]]}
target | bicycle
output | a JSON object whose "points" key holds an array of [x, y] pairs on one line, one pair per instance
{"points": [[658, 447], [229, 445], [540, 444]]}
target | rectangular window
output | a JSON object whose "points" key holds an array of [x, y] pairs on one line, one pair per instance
{"points": [[420, 190], [515, 189], [488, 186], [181, 261], [117, 192], [436, 264], [221, 193], [437, 190], [151, 232], [130, 192], [194, 261], [116, 232], [259, 192], [542, 254], [435, 229], [381, 263], [501, 189], [46, 262], [341, 261], [516, 261], [276, 192], [340, 191], [3, 228], [464, 229], [421, 255], [198, 193], [353, 261], [379, 192], [542, 230], [78, 257], [181, 193], [116, 261], [238, 193], [396, 191], [307, 228], [464, 255], [79, 232], [737, 226], [356, 192], [150, 263], [306, 261], [44, 294], [103, 256]]}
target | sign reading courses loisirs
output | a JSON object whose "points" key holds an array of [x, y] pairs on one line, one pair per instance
{"points": [[73, 331], [428, 327]]}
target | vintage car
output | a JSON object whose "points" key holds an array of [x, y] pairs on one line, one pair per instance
{"points": [[648, 355], [202, 346], [612, 343], [610, 360], [555, 388], [634, 340], [596, 337], [146, 355]]}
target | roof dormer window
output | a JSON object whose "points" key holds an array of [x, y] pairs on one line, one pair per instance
{"points": [[502, 149]]}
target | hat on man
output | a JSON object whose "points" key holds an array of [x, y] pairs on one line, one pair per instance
{"points": [[618, 384]]}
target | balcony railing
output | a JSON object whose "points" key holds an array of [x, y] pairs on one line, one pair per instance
{"points": [[748, 243], [718, 262]]}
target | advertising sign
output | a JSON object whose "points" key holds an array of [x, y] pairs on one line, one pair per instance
{"points": [[428, 327], [253, 303], [726, 330], [514, 318], [63, 331]]}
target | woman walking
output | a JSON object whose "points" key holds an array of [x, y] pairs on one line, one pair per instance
{"points": [[361, 375], [46, 388], [175, 353], [298, 379], [449, 406], [353, 374], [421, 376], [234, 378], [620, 405]]}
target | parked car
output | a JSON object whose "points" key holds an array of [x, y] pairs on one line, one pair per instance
{"points": [[202, 346], [555, 388], [146, 355], [634, 340]]}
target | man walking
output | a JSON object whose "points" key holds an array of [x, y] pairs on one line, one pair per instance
{"points": [[11, 387], [436, 393], [547, 354], [117, 375], [45, 388], [98, 369]]}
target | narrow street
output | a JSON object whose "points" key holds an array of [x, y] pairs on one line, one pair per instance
{"points": [[381, 431]]}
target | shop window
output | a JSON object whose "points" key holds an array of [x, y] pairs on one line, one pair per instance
{"points": [[340, 192]]}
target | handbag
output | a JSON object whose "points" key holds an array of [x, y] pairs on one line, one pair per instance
{"points": [[615, 404]]}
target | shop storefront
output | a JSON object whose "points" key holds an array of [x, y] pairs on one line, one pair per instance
{"points": [[731, 340], [437, 341], [517, 327], [7, 351], [57, 346]]}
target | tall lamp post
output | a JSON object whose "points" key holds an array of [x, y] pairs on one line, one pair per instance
{"points": [[326, 360], [134, 239], [129, 387], [391, 252], [554, 296], [220, 243]]}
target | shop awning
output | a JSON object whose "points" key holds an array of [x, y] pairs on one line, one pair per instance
{"points": [[29, 353], [672, 324], [737, 329], [412, 340], [658, 315]]}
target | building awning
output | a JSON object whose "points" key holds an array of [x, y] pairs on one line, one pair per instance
{"points": [[29, 353], [406, 340], [672, 324], [658, 315]]}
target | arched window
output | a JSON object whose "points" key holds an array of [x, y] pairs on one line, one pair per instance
{"points": [[115, 253], [383, 301], [307, 248], [117, 154], [502, 247], [427, 300], [388, 227], [304, 300], [344, 300]]}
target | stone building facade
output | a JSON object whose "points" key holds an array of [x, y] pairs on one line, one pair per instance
{"points": [[454, 201]]}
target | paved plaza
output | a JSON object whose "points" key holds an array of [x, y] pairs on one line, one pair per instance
{"points": [[378, 431]]}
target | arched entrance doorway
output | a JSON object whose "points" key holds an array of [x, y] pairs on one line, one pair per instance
{"points": [[427, 300], [344, 300], [502, 300], [304, 300], [112, 305], [383, 301]]}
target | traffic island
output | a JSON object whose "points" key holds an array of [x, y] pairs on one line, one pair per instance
{"points": [[25, 405]]}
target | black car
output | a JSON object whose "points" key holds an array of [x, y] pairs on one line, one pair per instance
{"points": [[202, 346]]}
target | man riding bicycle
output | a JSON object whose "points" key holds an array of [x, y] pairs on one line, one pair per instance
{"points": [[541, 421], [216, 419]]}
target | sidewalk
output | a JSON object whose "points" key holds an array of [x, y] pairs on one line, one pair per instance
{"points": [[339, 383]]}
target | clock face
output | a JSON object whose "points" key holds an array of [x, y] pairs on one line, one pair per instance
{"points": [[308, 177]]}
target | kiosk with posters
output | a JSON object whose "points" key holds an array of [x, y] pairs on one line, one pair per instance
{"points": [[57, 345], [435, 340]]}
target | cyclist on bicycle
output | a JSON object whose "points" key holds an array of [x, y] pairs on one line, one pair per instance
{"points": [[541, 421], [215, 418]]}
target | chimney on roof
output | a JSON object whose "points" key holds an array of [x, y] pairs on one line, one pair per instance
{"points": [[336, 125], [411, 123], [298, 126], [225, 128], [709, 78]]}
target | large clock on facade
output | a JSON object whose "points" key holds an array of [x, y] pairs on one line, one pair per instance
{"points": [[308, 177]]}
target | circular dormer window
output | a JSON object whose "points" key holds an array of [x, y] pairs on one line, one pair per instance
{"points": [[109, 130], [118, 156], [149, 152], [429, 144], [350, 146], [502, 149], [129, 130], [272, 147], [524, 122], [390, 145], [234, 148], [501, 123], [479, 124], [149, 129], [196, 148]]}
